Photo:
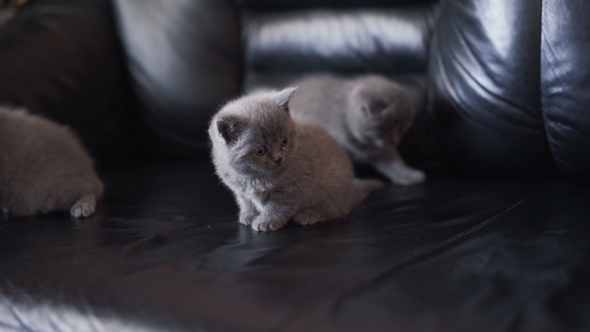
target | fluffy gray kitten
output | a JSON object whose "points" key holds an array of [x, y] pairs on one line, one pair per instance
{"points": [[367, 115], [44, 168], [278, 168]]}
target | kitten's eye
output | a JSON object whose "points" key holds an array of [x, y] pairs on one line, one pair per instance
{"points": [[284, 142], [365, 109], [261, 151]]}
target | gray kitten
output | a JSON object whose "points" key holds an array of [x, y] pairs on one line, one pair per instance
{"points": [[367, 115], [44, 168], [278, 168]]}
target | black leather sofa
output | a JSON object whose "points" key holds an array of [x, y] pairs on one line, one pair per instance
{"points": [[498, 239]]}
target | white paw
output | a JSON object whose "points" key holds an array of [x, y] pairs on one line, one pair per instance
{"points": [[407, 176], [265, 225], [82, 210], [246, 218]]}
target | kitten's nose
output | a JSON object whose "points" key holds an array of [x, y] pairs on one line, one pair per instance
{"points": [[278, 160]]}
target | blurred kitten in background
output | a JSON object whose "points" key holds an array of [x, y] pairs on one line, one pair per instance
{"points": [[44, 168], [367, 115]]}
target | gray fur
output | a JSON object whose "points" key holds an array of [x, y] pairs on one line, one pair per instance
{"points": [[44, 168], [309, 179], [368, 116]]}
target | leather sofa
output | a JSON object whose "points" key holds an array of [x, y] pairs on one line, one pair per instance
{"points": [[498, 239]]}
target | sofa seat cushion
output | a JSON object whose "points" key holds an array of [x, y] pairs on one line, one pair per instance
{"points": [[165, 252]]}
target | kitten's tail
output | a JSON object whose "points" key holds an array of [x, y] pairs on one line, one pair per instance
{"points": [[361, 189]]}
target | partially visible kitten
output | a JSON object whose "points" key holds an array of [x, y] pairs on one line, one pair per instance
{"points": [[278, 168], [367, 115], [44, 168]]}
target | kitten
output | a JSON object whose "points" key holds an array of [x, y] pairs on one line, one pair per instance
{"points": [[368, 116], [44, 168], [278, 168]]}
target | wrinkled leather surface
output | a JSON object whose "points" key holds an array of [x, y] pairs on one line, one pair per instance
{"points": [[165, 252], [565, 84], [485, 87], [298, 4], [184, 60], [390, 40], [61, 59]]}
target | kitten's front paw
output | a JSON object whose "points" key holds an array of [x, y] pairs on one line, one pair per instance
{"points": [[84, 207], [266, 225], [82, 210], [407, 176], [246, 218]]}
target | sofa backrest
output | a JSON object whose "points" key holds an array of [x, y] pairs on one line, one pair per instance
{"points": [[507, 80], [189, 58], [282, 43]]}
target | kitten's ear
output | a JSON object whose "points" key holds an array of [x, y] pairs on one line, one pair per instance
{"points": [[284, 96], [230, 127]]}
